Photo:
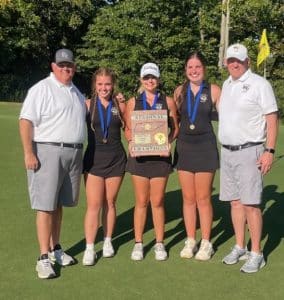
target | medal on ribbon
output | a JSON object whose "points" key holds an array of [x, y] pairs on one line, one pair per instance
{"points": [[104, 122], [145, 101], [192, 112]]}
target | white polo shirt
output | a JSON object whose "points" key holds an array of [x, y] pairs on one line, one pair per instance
{"points": [[57, 111], [243, 105]]}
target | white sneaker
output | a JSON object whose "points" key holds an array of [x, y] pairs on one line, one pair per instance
{"points": [[254, 263], [160, 252], [108, 250], [61, 258], [205, 251], [44, 269], [237, 253], [89, 257], [189, 248], [137, 252]]}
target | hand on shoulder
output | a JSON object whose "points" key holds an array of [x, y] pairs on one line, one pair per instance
{"points": [[215, 93]]}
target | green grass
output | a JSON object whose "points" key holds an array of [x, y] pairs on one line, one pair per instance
{"points": [[119, 277]]}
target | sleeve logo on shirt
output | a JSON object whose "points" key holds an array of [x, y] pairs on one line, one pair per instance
{"points": [[245, 88]]}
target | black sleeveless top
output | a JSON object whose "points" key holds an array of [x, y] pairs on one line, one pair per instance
{"points": [[104, 159], [150, 166], [95, 139], [160, 104], [202, 122]]}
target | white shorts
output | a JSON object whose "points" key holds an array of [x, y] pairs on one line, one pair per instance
{"points": [[240, 177], [57, 180]]}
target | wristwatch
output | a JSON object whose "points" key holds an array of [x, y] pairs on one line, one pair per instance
{"points": [[270, 150]]}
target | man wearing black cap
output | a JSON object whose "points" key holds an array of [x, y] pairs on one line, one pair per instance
{"points": [[52, 122], [247, 131]]}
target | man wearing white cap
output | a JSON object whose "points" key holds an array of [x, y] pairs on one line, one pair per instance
{"points": [[248, 121], [52, 129]]}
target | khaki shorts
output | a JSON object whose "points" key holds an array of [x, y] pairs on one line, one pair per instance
{"points": [[240, 177], [57, 180]]}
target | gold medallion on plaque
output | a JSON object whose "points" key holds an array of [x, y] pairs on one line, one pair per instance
{"points": [[160, 138]]}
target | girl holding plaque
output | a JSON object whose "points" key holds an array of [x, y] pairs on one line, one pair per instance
{"points": [[104, 161], [196, 155], [150, 173]]}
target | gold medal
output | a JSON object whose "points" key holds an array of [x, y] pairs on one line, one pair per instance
{"points": [[191, 126], [104, 140]]}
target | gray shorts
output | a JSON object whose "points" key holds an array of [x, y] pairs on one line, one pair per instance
{"points": [[240, 177], [57, 181]]}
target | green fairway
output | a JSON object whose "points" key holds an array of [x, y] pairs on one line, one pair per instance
{"points": [[119, 277]]}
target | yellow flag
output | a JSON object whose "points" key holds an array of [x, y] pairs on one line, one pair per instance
{"points": [[264, 49]]}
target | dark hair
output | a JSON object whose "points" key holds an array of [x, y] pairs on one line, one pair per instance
{"points": [[198, 55], [103, 72], [194, 54]]}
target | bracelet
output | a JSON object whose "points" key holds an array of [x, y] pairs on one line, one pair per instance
{"points": [[270, 150]]}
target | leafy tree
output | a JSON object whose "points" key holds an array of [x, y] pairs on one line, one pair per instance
{"points": [[30, 33], [257, 15], [124, 34], [131, 33]]}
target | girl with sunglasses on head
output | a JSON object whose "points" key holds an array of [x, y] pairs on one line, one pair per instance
{"points": [[150, 173]]}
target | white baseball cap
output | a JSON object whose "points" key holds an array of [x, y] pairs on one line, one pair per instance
{"points": [[237, 51], [150, 69]]}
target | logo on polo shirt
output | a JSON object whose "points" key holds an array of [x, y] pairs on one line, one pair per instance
{"points": [[203, 98], [114, 111], [245, 88]]}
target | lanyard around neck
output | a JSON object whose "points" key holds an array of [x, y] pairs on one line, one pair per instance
{"points": [[144, 100], [104, 123], [192, 113]]}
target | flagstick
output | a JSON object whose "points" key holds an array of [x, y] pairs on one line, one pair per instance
{"points": [[264, 69]]}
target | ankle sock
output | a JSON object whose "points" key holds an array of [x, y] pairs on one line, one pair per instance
{"points": [[89, 246]]}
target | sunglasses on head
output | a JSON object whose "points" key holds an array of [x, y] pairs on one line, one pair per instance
{"points": [[65, 65], [147, 77]]}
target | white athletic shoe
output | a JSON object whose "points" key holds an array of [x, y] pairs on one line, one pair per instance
{"points": [[254, 263], [44, 269], [205, 251], [160, 252], [61, 258], [137, 252], [108, 250], [89, 257], [237, 253], [189, 249]]}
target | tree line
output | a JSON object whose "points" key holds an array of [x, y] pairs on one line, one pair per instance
{"points": [[125, 34]]}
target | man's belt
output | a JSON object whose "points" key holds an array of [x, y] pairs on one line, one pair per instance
{"points": [[240, 147], [74, 146]]}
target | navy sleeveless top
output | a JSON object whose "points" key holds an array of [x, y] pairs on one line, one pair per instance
{"points": [[202, 122]]}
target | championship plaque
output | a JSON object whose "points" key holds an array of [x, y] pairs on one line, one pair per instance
{"points": [[149, 132]]}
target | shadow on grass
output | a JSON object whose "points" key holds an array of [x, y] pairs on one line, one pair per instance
{"points": [[273, 222], [173, 206], [273, 218], [222, 231]]}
